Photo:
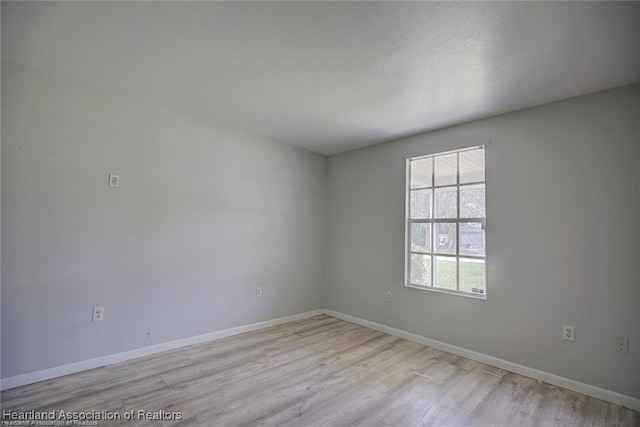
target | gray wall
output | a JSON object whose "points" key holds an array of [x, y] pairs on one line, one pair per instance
{"points": [[204, 214], [563, 205]]}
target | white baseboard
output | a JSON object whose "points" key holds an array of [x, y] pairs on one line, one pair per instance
{"points": [[84, 365], [589, 390]]}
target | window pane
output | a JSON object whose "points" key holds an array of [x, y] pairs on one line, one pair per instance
{"points": [[421, 173], [446, 202], [472, 240], [472, 201], [472, 166], [472, 276], [446, 169], [420, 204], [447, 218], [446, 272], [421, 237], [421, 270], [445, 234]]}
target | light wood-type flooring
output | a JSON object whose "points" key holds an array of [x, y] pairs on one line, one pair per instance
{"points": [[315, 372]]}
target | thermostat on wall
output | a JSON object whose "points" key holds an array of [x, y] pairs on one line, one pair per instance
{"points": [[114, 180]]}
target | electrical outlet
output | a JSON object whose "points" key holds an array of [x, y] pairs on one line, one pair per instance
{"points": [[388, 296], [568, 333], [622, 344], [259, 291], [114, 180], [98, 314]]}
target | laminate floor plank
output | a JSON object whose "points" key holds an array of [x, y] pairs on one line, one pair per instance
{"points": [[290, 373], [504, 401], [360, 382], [33, 396], [371, 384], [260, 372], [319, 371]]}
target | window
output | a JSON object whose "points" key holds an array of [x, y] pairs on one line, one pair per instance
{"points": [[446, 222]]}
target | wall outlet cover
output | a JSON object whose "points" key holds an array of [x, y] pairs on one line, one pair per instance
{"points": [[98, 314], [622, 344], [114, 180], [568, 333]]}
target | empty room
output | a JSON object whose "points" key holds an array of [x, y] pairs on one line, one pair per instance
{"points": [[320, 213]]}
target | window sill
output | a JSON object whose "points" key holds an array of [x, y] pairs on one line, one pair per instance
{"points": [[448, 291]]}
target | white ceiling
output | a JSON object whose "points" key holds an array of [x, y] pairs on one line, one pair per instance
{"points": [[332, 76]]}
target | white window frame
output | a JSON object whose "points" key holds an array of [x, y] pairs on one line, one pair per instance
{"points": [[432, 220]]}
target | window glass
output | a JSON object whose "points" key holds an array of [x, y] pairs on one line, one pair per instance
{"points": [[446, 222]]}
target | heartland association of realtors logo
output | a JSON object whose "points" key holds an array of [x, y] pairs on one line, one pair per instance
{"points": [[82, 418]]}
